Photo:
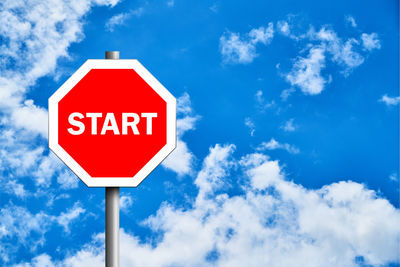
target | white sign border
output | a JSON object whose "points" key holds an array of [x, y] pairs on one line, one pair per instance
{"points": [[148, 78]]}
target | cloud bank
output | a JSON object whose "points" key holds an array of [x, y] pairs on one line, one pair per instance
{"points": [[270, 221], [318, 48]]}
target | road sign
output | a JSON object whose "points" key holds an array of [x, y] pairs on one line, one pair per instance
{"points": [[112, 123]]}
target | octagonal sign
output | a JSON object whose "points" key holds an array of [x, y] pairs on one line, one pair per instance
{"points": [[112, 123]]}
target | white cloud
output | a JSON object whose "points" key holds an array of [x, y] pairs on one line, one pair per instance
{"points": [[306, 72], [370, 41], [67, 180], [390, 101], [393, 177], [289, 126], [351, 21], [46, 167], [250, 124], [322, 46], [185, 124], [66, 218], [18, 224], [184, 104], [120, 19], [181, 160], [214, 168], [116, 20], [347, 56], [271, 222], [263, 172], [273, 145], [325, 45], [31, 117], [22, 159], [125, 202], [344, 53], [291, 27], [15, 188], [262, 35], [111, 3], [259, 98], [186, 117], [20, 227], [91, 255], [283, 27], [286, 93], [237, 50], [42, 260], [261, 103]]}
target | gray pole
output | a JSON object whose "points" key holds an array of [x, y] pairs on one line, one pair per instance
{"points": [[112, 211]]}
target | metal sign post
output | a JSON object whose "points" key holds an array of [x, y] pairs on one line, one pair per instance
{"points": [[112, 211], [112, 226]]}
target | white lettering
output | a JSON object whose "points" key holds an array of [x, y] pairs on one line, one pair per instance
{"points": [[73, 122], [110, 124], [149, 119], [94, 117], [132, 124], [128, 120]]}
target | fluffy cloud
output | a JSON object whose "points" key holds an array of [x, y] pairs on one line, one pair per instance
{"points": [[351, 21], [289, 126], [125, 202], [215, 166], [66, 218], [326, 45], [250, 124], [20, 227], [46, 167], [16, 226], [370, 41], [90, 255], [181, 159], [273, 144], [342, 52], [238, 50], [321, 46], [283, 27], [116, 20], [15, 188], [30, 117], [261, 103], [262, 35], [390, 101], [286, 93], [393, 177], [306, 72], [67, 180], [120, 19], [270, 221]]}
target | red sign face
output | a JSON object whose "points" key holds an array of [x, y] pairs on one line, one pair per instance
{"points": [[112, 125]]}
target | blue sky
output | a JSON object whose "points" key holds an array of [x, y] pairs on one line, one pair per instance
{"points": [[288, 125]]}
